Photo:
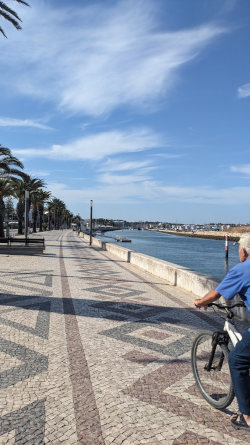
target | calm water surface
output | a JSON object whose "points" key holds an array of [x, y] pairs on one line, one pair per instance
{"points": [[202, 255]]}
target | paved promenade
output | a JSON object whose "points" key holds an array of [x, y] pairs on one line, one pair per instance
{"points": [[96, 352]]}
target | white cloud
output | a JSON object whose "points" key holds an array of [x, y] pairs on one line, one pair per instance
{"points": [[92, 59], [105, 193], [112, 165], [39, 173], [245, 169], [148, 191], [122, 179], [244, 91], [167, 155], [11, 122], [98, 146], [206, 195]]}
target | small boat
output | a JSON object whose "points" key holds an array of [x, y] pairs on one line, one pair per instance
{"points": [[121, 239]]}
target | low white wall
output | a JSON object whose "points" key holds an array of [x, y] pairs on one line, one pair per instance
{"points": [[180, 276], [118, 251], [195, 282], [95, 241]]}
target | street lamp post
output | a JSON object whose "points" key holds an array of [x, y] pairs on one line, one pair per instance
{"points": [[26, 214], [7, 226], [90, 222]]}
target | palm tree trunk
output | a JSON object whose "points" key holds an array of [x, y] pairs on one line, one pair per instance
{"points": [[41, 218], [34, 217], [2, 211], [49, 219], [20, 213]]}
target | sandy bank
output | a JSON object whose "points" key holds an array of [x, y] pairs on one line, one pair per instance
{"points": [[208, 235]]}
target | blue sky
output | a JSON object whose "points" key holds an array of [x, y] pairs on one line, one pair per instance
{"points": [[140, 105]]}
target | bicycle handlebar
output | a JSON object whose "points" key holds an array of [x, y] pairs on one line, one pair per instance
{"points": [[221, 306]]}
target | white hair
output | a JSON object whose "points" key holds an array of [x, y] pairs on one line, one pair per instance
{"points": [[245, 242]]}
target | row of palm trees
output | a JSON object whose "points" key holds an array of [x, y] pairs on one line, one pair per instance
{"points": [[14, 182]]}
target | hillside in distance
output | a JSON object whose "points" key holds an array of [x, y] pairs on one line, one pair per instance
{"points": [[239, 229]]}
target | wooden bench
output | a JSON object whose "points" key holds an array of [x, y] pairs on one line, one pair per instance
{"points": [[4, 240], [22, 246], [26, 241]]}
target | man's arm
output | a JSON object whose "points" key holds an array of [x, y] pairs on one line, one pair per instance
{"points": [[210, 297]]}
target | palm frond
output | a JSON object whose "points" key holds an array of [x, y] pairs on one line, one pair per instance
{"points": [[16, 172], [12, 160], [6, 188], [4, 151], [10, 15], [4, 168], [2, 32], [9, 10], [10, 19], [23, 2]]}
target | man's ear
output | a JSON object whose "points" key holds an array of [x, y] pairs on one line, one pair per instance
{"points": [[245, 253]]}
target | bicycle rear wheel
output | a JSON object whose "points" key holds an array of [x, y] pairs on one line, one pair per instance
{"points": [[215, 385]]}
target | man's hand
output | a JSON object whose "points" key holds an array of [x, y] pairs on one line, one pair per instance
{"points": [[210, 297], [198, 303]]}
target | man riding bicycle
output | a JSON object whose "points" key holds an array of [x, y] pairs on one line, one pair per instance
{"points": [[237, 281]]}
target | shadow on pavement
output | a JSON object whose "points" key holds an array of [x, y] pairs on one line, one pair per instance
{"points": [[124, 311]]}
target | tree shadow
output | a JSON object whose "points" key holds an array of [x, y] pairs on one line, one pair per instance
{"points": [[117, 310]]}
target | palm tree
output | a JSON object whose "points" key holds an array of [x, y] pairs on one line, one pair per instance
{"points": [[9, 207], [38, 199], [57, 207], [6, 190], [68, 216], [45, 196], [8, 172], [27, 183], [50, 209], [7, 162], [10, 15], [77, 220]]}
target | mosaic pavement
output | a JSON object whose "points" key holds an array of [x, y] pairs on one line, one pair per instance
{"points": [[96, 352]]}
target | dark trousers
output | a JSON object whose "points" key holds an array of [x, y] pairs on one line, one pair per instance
{"points": [[239, 363]]}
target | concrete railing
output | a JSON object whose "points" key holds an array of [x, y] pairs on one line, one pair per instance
{"points": [[120, 252], [187, 279], [95, 241], [180, 276]]}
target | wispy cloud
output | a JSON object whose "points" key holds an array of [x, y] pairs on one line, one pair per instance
{"points": [[114, 56], [145, 191], [98, 146], [39, 173], [11, 122], [208, 195], [114, 165], [168, 155], [244, 91], [245, 169], [108, 178]]}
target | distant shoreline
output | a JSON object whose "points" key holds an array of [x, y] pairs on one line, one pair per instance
{"points": [[206, 235]]}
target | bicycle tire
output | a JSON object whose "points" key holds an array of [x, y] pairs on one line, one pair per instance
{"points": [[215, 385]]}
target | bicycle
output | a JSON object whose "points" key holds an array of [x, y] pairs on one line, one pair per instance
{"points": [[210, 360]]}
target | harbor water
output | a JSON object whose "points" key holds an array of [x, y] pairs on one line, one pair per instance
{"points": [[202, 255]]}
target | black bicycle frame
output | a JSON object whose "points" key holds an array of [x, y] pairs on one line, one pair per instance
{"points": [[218, 339]]}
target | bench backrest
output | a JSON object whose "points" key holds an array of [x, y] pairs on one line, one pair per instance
{"points": [[27, 241], [4, 240]]}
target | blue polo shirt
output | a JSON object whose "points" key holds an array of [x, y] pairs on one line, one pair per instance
{"points": [[237, 281]]}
